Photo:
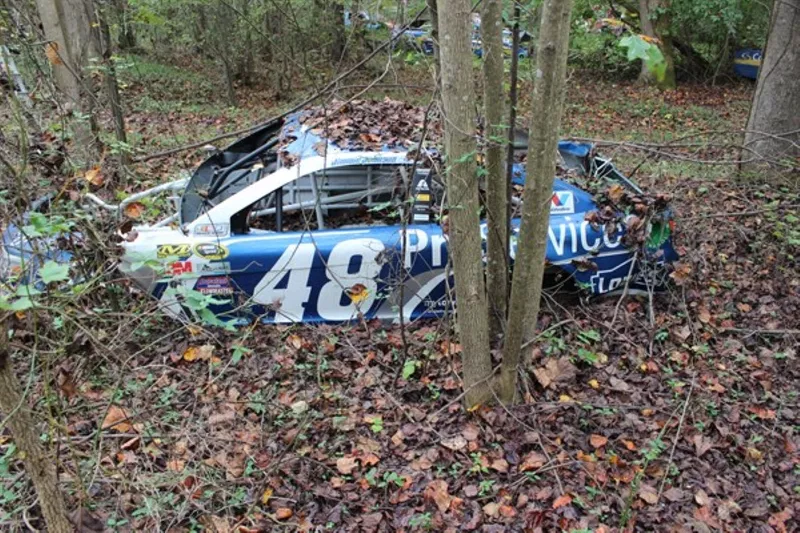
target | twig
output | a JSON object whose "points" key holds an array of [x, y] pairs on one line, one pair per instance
{"points": [[677, 436]]}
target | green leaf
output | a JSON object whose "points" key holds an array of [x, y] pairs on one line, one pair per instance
{"points": [[52, 271], [21, 304], [409, 368]]}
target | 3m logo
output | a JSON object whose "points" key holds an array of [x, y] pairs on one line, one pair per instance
{"points": [[562, 203], [181, 251], [179, 267]]}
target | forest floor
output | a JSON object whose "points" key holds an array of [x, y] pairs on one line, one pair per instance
{"points": [[679, 413]]}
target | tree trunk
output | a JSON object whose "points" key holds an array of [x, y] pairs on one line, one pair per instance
{"points": [[66, 27], [338, 37], [38, 466], [434, 13], [546, 107], [110, 78], [127, 37], [774, 123], [658, 27], [458, 102], [496, 185]]}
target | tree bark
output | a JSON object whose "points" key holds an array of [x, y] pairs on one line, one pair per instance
{"points": [[458, 102], [546, 109], [658, 28], [110, 76], [38, 466], [66, 27], [773, 128], [434, 13], [496, 185], [127, 36]]}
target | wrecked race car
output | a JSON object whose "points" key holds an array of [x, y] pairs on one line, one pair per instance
{"points": [[330, 216]]}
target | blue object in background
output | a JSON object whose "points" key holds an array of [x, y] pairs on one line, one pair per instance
{"points": [[746, 63]]}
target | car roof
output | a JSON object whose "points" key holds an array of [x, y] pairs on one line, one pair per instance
{"points": [[296, 138]]}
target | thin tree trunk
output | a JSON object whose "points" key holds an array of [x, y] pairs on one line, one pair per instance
{"points": [[38, 466], [127, 37], [658, 29], [512, 106], [546, 108], [458, 101], [774, 122], [496, 185], [67, 30], [229, 89], [434, 13], [110, 78]]}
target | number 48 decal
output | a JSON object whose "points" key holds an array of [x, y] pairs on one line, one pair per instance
{"points": [[293, 271]]}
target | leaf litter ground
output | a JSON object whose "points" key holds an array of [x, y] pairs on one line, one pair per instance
{"points": [[676, 414]]}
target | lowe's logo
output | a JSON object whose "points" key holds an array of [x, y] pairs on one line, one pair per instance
{"points": [[562, 203]]}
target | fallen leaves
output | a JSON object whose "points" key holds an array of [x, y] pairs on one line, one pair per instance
{"points": [[436, 491], [648, 493], [117, 420], [598, 441], [134, 210], [561, 501], [455, 443], [555, 370], [532, 461], [203, 353], [94, 176], [345, 465]]}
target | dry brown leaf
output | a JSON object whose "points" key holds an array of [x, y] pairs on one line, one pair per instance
{"points": [[701, 497], [674, 494], [492, 510], [702, 444], [598, 441], [501, 465], [648, 494], [134, 210], [346, 465], [762, 412], [94, 176], [204, 353], [283, 513], [117, 420], [508, 511], [532, 461], [436, 491], [455, 443], [561, 501], [51, 51], [555, 370]]}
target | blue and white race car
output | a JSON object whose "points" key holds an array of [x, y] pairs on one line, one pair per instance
{"points": [[297, 224]]}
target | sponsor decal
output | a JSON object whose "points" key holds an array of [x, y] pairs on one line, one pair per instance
{"points": [[217, 285], [212, 230], [211, 251], [181, 251], [216, 267], [562, 203], [611, 279], [179, 267]]}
